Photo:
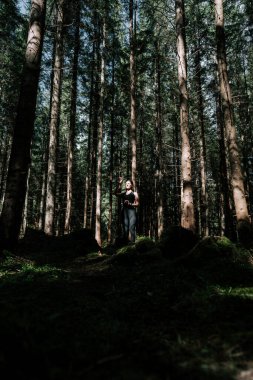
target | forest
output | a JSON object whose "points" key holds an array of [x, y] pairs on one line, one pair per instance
{"points": [[159, 94], [146, 91]]}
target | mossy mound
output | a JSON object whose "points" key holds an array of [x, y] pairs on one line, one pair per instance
{"points": [[214, 247], [125, 255], [177, 242], [48, 249], [219, 247], [144, 249], [144, 244]]}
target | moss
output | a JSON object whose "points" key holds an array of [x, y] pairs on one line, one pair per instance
{"points": [[213, 247], [144, 244]]}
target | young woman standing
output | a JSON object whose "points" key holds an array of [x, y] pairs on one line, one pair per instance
{"points": [[130, 201]]}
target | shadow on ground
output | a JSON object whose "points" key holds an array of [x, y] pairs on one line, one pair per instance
{"points": [[147, 317]]}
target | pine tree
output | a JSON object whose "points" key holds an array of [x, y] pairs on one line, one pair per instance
{"points": [[11, 217]]}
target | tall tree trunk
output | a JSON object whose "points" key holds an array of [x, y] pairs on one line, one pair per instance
{"points": [[4, 165], [54, 121], [133, 121], [87, 185], [25, 209], [42, 200], [141, 178], [176, 172], [187, 209], [237, 184], [245, 127], [11, 217], [109, 235], [227, 227], [159, 147], [100, 141], [72, 123], [202, 144], [95, 122], [119, 157]]}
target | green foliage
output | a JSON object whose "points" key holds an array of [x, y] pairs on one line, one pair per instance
{"points": [[15, 269], [144, 244]]}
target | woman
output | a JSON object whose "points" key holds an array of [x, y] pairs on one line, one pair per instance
{"points": [[130, 201]]}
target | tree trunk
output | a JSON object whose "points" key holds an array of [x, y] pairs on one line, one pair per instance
{"points": [[202, 144], [25, 208], [109, 234], [237, 184], [5, 156], [95, 123], [72, 123], [42, 200], [159, 147], [11, 217], [54, 122], [187, 209], [141, 177], [176, 172], [100, 142], [87, 185], [227, 227], [133, 122]]}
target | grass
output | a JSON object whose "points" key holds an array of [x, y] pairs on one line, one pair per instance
{"points": [[131, 315]]}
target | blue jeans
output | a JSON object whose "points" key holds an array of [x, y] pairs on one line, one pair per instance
{"points": [[129, 220]]}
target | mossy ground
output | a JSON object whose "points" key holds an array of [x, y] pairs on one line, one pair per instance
{"points": [[131, 315]]}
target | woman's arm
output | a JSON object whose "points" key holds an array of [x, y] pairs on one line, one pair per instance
{"points": [[117, 191], [136, 200]]}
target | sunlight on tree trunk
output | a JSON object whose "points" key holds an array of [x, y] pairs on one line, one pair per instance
{"points": [[72, 124], [242, 216], [11, 217], [54, 122], [187, 209], [159, 146], [100, 142], [133, 122], [202, 145]]}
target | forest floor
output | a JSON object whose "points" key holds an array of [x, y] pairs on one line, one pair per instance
{"points": [[129, 314]]}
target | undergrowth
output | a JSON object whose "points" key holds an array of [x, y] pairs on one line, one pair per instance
{"points": [[130, 314]]}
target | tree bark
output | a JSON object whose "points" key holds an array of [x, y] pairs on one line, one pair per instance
{"points": [[109, 233], [72, 123], [87, 185], [54, 122], [133, 121], [237, 184], [11, 217], [159, 147], [100, 141], [202, 145], [226, 221], [187, 209], [5, 156], [95, 122]]}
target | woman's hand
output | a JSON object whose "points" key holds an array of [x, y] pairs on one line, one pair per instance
{"points": [[120, 180]]}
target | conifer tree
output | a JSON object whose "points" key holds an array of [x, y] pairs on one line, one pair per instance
{"points": [[237, 183], [11, 216], [187, 209]]}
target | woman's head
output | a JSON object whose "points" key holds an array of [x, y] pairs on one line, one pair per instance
{"points": [[129, 184]]}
